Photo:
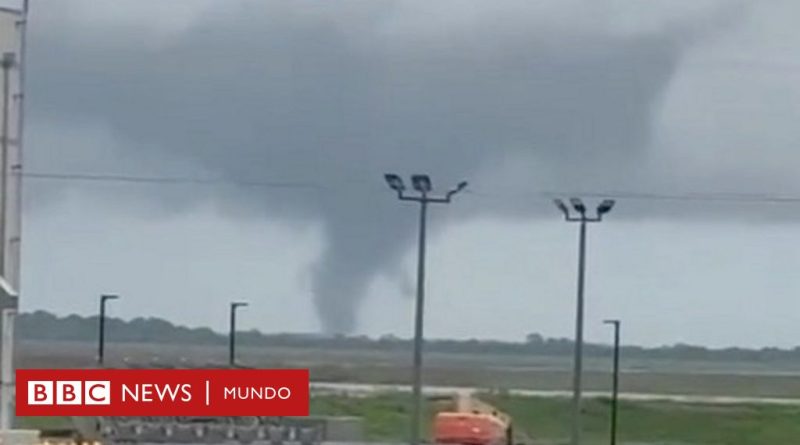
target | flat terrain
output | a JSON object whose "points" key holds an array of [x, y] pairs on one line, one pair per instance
{"points": [[497, 371], [547, 421], [539, 420]]}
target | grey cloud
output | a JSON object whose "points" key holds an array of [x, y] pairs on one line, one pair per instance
{"points": [[276, 94]]}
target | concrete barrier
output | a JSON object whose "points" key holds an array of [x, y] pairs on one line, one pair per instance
{"points": [[19, 437], [344, 429]]}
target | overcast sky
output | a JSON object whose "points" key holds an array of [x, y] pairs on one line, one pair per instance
{"points": [[298, 108]]}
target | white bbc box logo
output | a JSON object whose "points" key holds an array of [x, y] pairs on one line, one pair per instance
{"points": [[69, 392]]}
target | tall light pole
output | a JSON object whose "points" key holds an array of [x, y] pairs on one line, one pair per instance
{"points": [[9, 305], [14, 212], [6, 63], [615, 381], [581, 217], [12, 229], [101, 336], [232, 334], [422, 184]]}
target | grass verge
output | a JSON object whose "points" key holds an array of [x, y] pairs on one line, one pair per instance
{"points": [[548, 420]]}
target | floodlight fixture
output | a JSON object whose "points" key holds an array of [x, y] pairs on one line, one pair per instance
{"points": [[422, 183], [395, 182], [460, 187], [605, 206], [8, 60], [561, 206], [578, 205]]}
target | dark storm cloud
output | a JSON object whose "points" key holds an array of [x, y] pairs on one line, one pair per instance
{"points": [[271, 94]]}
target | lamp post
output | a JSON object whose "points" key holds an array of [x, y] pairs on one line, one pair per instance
{"points": [[6, 64], [422, 184], [101, 336], [232, 335], [581, 217], [11, 260], [615, 381]]}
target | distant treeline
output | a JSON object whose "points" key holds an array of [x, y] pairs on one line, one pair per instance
{"points": [[42, 325]]}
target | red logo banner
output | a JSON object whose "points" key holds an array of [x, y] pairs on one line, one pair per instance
{"points": [[162, 392]]}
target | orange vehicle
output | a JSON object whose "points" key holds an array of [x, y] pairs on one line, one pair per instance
{"points": [[472, 422]]}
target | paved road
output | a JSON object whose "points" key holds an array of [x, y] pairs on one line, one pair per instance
{"points": [[357, 389]]}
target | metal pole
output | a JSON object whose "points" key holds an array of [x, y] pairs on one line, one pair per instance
{"points": [[615, 389], [232, 333], [14, 212], [101, 334], [7, 373], [416, 420], [7, 63], [7, 333], [7, 392], [422, 184], [604, 207], [232, 336], [578, 371]]}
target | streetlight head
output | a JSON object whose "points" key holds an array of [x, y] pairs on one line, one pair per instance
{"points": [[422, 183], [394, 181], [605, 206], [8, 60], [561, 206], [239, 304], [578, 205], [610, 321], [461, 186], [110, 297]]}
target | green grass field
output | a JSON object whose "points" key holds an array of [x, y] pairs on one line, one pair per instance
{"points": [[44, 423], [489, 370], [548, 420]]}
